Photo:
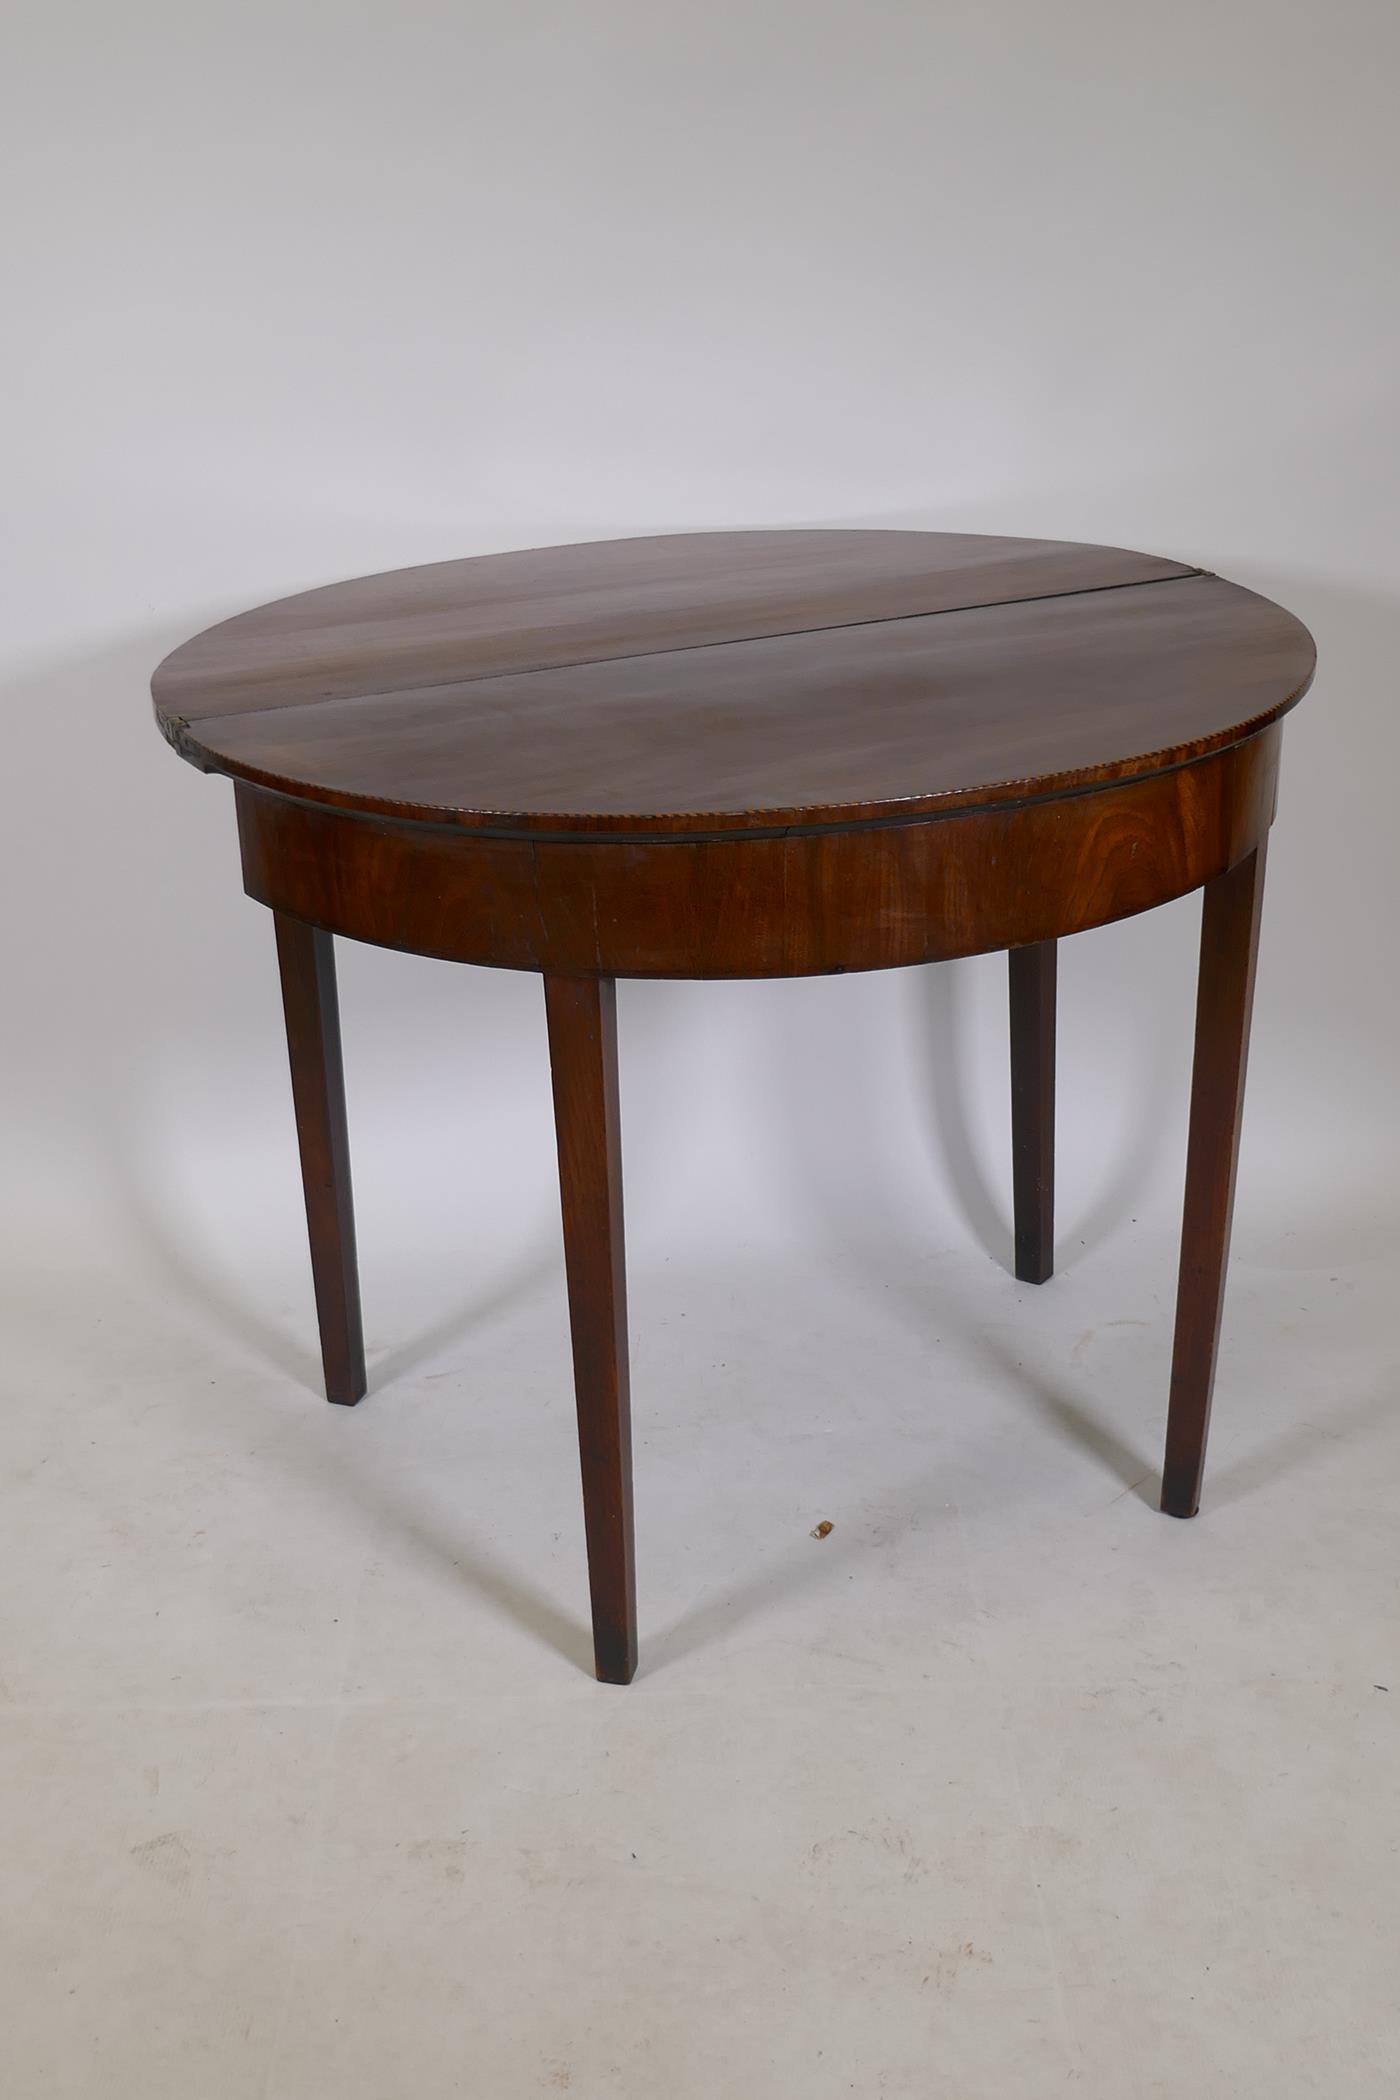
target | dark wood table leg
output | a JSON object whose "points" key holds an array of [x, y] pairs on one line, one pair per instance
{"points": [[307, 960], [1032, 980], [1229, 949], [582, 1015]]}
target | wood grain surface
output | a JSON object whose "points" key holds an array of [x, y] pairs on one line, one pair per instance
{"points": [[1032, 670], [544, 607], [771, 904]]}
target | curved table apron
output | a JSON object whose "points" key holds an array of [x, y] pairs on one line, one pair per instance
{"points": [[750, 755]]}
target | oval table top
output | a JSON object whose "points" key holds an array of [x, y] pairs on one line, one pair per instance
{"points": [[708, 683]]}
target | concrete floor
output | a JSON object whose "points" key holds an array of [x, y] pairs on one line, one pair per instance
{"points": [[1006, 1787]]}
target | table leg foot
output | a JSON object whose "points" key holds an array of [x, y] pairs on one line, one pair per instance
{"points": [[1032, 986], [1225, 997], [306, 957], [582, 1017]]}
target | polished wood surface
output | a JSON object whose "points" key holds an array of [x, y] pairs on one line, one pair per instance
{"points": [[545, 607], [870, 719], [745, 755], [792, 904]]}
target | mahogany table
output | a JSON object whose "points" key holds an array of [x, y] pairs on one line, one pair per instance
{"points": [[760, 754]]}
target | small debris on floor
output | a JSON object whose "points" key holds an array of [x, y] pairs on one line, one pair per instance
{"points": [[823, 1529]]}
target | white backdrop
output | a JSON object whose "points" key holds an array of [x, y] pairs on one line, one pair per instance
{"points": [[1007, 1786], [296, 291]]}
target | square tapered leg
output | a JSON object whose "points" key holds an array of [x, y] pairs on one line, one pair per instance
{"points": [[307, 960], [1224, 1000], [582, 1014], [1032, 985]]}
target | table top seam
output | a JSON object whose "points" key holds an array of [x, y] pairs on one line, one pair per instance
{"points": [[274, 707]]}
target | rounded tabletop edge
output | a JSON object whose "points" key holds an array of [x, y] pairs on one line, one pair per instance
{"points": [[765, 817], [715, 827]]}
